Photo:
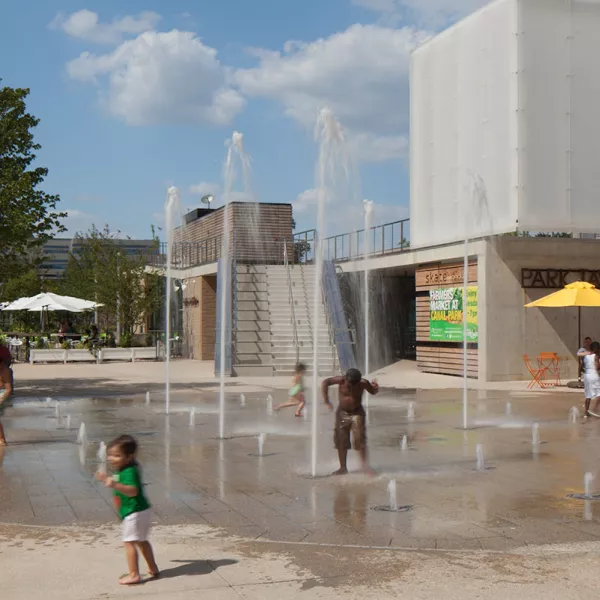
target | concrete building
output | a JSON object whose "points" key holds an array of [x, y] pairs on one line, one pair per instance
{"points": [[504, 141], [271, 320], [56, 253]]}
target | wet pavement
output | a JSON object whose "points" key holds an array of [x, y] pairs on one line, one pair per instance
{"points": [[519, 500]]}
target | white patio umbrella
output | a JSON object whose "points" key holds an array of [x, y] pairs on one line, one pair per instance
{"points": [[20, 303], [51, 302]]}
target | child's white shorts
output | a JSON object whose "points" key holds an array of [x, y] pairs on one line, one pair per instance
{"points": [[136, 526]]}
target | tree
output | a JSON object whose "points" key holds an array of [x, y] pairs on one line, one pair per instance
{"points": [[302, 250], [99, 270], [26, 283], [27, 217]]}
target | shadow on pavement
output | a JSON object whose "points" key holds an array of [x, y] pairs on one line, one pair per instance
{"points": [[196, 567]]}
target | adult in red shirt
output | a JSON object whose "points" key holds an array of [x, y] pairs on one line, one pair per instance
{"points": [[6, 392], [5, 355]]}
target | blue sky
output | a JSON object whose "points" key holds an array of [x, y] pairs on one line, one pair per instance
{"points": [[135, 99]]}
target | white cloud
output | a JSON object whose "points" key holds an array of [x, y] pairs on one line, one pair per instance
{"points": [[360, 73], [434, 13], [85, 25], [342, 216], [161, 78], [78, 221], [205, 187], [369, 147], [305, 201]]}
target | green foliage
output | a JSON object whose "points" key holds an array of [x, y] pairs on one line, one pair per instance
{"points": [[27, 217], [100, 271], [301, 251], [126, 340], [26, 283]]}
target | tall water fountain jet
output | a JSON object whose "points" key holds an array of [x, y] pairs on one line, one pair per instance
{"points": [[235, 151], [368, 205], [192, 417], [333, 165], [147, 398], [574, 415], [480, 458], [535, 435], [101, 456], [68, 422], [57, 410], [404, 444], [171, 208], [393, 495], [82, 435], [588, 480], [269, 405], [411, 411], [261, 443], [242, 400]]}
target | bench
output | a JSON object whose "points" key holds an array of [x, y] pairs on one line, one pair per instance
{"points": [[81, 355], [48, 356], [127, 354]]}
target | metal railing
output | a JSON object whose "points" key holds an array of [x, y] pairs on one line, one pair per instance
{"points": [[294, 324], [304, 245], [187, 254], [389, 238]]}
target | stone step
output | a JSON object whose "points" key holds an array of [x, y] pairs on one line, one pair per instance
{"points": [[242, 347], [253, 370], [253, 359], [252, 336], [253, 315], [252, 305], [253, 325]]}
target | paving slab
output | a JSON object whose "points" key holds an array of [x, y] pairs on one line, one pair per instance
{"points": [[287, 533]]}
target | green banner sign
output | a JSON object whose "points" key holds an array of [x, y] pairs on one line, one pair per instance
{"points": [[446, 315]]}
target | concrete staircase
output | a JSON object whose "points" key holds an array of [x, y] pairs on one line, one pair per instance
{"points": [[252, 332], [264, 334], [283, 351]]}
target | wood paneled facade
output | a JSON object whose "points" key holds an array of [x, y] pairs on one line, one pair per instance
{"points": [[257, 231], [435, 356]]}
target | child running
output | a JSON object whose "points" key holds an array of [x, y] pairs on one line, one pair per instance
{"points": [[591, 379], [296, 393], [350, 417], [132, 506]]}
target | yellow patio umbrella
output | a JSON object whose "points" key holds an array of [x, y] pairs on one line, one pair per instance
{"points": [[579, 293]]}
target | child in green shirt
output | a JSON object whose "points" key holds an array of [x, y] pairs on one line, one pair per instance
{"points": [[132, 506]]}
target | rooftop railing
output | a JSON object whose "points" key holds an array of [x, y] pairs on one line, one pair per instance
{"points": [[390, 238], [187, 254]]}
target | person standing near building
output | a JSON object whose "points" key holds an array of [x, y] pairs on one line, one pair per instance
{"points": [[5, 355], [585, 349], [591, 379], [6, 392]]}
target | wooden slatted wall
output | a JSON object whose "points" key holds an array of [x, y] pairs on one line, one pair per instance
{"points": [[434, 356]]}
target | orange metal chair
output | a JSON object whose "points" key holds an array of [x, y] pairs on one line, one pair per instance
{"points": [[537, 374], [549, 361]]}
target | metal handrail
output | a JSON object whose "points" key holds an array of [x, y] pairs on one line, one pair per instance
{"points": [[389, 238], [286, 262]]}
